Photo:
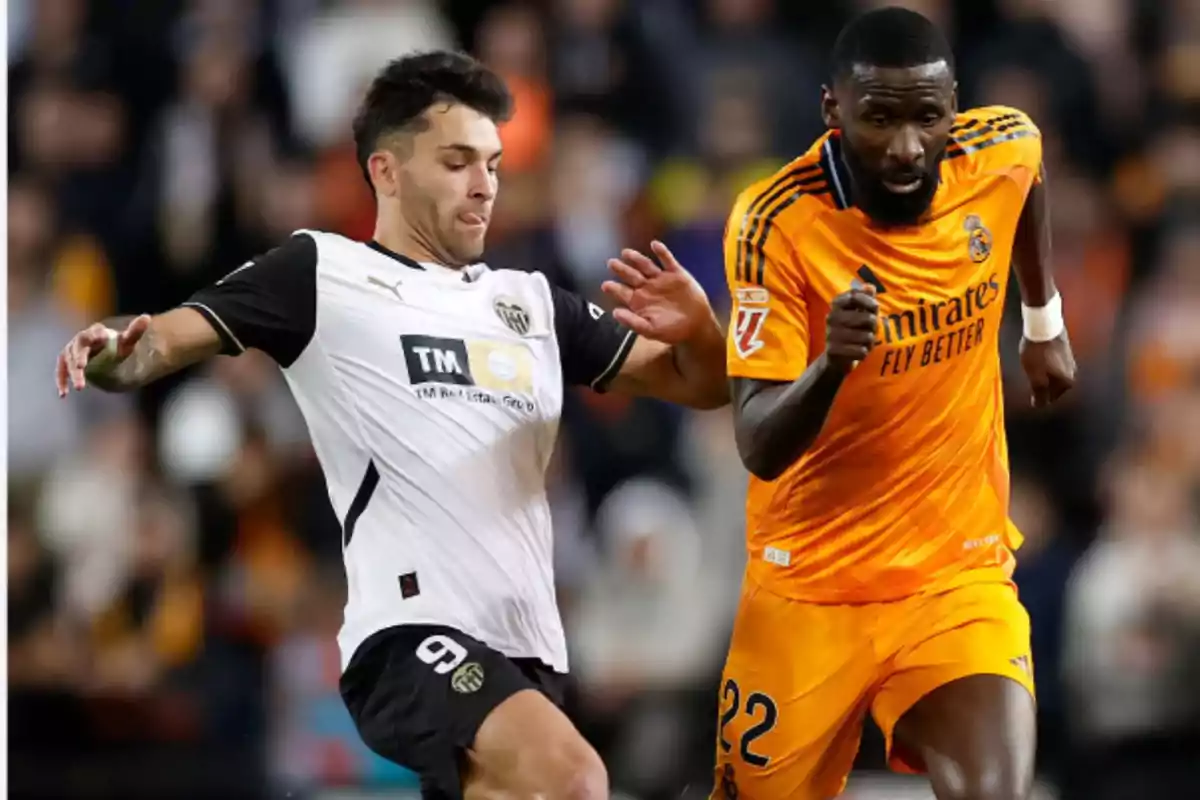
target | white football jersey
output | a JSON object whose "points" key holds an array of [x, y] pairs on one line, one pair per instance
{"points": [[433, 398]]}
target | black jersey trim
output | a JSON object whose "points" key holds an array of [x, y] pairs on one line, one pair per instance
{"points": [[600, 384], [228, 340], [392, 254], [839, 176], [803, 177], [362, 497], [958, 149], [754, 242]]}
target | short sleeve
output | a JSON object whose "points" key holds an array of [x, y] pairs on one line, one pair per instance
{"points": [[1000, 139], [592, 345], [269, 303], [768, 326]]}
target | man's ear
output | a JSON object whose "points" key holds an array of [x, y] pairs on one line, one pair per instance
{"points": [[383, 166], [831, 113]]}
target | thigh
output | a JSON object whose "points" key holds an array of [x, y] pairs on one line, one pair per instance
{"points": [[792, 699], [419, 695], [958, 702]]}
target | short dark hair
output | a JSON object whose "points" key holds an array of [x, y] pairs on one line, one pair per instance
{"points": [[407, 86], [889, 37]]}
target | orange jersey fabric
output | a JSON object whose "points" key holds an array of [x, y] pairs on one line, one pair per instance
{"points": [[906, 488]]}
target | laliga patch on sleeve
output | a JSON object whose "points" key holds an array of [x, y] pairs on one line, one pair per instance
{"points": [[747, 328]]}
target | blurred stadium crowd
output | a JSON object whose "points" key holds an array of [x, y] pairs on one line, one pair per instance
{"points": [[173, 566]]}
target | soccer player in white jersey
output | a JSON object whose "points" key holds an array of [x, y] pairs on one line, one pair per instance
{"points": [[432, 388]]}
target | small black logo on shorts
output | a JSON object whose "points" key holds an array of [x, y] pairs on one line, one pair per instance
{"points": [[467, 678], [512, 314]]}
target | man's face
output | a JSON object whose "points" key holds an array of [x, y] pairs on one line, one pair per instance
{"points": [[895, 125], [447, 183]]}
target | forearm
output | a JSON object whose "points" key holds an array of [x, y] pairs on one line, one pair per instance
{"points": [[700, 363], [1031, 251], [149, 361], [776, 426]]}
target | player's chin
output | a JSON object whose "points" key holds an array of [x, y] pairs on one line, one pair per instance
{"points": [[468, 250], [468, 241], [903, 205]]}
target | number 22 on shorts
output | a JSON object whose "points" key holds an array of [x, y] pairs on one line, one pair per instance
{"points": [[760, 708]]}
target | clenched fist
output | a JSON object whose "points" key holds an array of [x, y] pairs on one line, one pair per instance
{"points": [[1050, 367], [850, 327]]}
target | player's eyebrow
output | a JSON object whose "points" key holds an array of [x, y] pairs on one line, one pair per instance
{"points": [[469, 151]]}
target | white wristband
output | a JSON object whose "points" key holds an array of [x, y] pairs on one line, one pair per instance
{"points": [[1044, 323]]}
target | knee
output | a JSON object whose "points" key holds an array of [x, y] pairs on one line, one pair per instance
{"points": [[565, 770], [985, 784], [985, 793]]}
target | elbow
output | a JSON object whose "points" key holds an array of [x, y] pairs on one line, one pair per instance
{"points": [[764, 470], [757, 456]]}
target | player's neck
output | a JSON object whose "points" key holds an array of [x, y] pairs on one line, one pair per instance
{"points": [[407, 243]]}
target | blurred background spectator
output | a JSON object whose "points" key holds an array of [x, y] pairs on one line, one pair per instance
{"points": [[173, 565]]}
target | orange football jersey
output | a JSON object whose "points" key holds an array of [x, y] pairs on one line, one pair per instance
{"points": [[906, 487]]}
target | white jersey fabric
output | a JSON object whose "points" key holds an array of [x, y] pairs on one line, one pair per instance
{"points": [[433, 398]]}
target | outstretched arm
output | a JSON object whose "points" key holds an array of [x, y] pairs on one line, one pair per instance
{"points": [[269, 303], [142, 350], [663, 342], [689, 373]]}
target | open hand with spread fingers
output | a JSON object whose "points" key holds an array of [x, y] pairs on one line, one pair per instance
{"points": [[664, 303]]}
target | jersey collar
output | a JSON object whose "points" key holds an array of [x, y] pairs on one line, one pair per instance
{"points": [[835, 168], [839, 174], [468, 274]]}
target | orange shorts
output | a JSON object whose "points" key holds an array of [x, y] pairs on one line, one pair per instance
{"points": [[800, 678]]}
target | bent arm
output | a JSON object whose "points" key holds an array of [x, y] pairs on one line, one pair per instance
{"points": [[775, 423], [781, 398], [174, 341]]}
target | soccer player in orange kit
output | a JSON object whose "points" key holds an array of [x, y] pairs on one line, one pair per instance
{"points": [[868, 281]]}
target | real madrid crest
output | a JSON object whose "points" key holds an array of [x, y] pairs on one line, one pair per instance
{"points": [[979, 239], [512, 314]]}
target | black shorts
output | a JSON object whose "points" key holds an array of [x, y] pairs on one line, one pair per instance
{"points": [[418, 694]]}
